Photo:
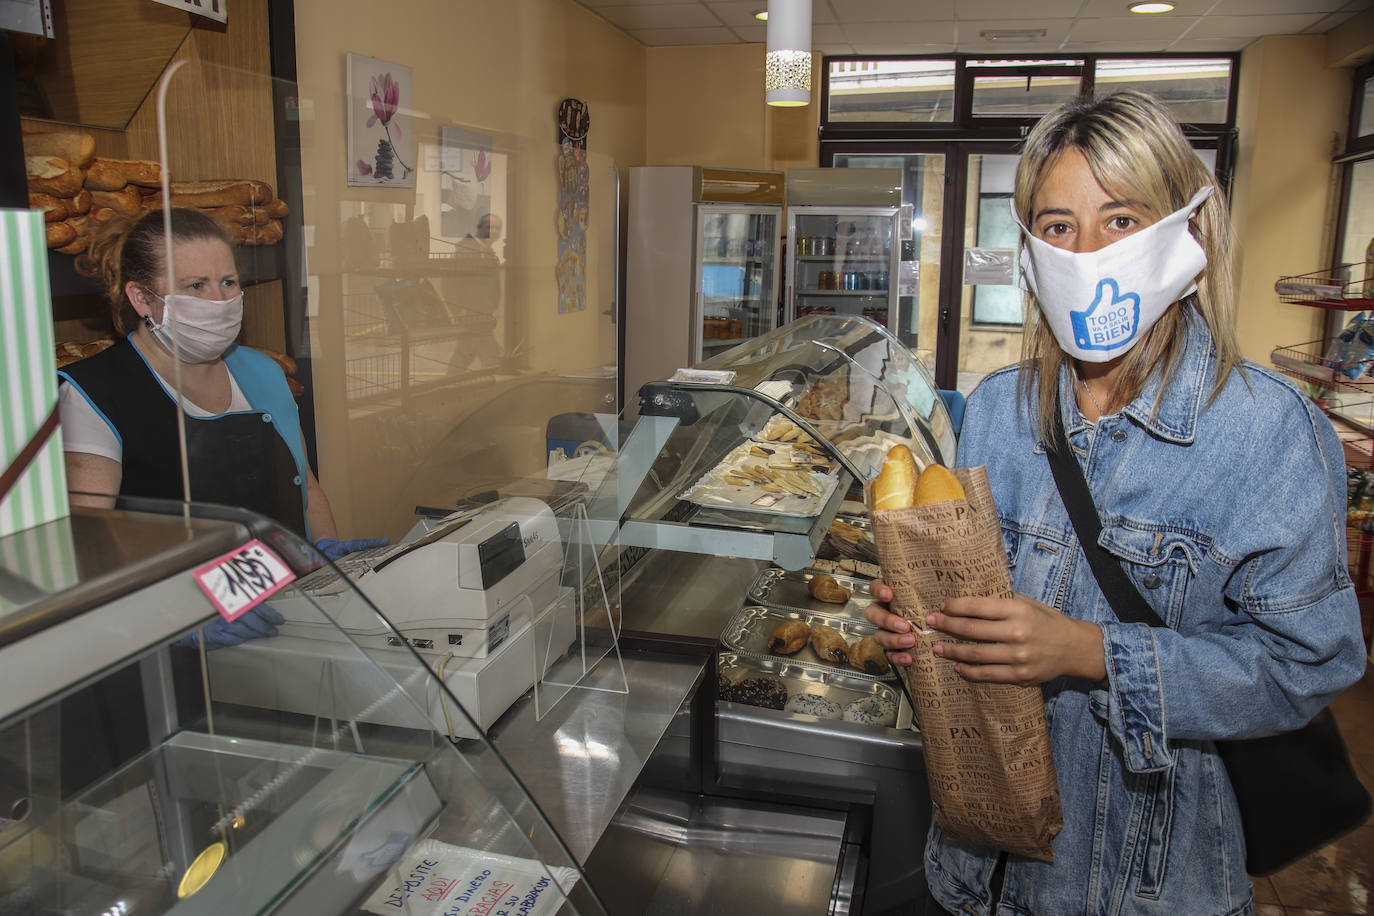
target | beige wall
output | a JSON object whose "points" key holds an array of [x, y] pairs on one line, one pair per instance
{"points": [[499, 69], [705, 107], [1291, 120]]}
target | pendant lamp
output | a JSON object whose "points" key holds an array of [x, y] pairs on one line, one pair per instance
{"points": [[787, 68]]}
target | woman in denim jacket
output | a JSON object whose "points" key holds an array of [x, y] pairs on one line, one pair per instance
{"points": [[1222, 492]]}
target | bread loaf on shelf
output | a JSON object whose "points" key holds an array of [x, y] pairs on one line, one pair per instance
{"points": [[77, 190], [76, 147], [53, 175]]}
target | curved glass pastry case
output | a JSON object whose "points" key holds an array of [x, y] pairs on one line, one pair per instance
{"points": [[136, 779], [752, 454]]}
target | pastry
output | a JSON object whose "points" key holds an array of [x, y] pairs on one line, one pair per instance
{"points": [[829, 644], [873, 710], [762, 690], [825, 588], [788, 637], [808, 704], [866, 655]]}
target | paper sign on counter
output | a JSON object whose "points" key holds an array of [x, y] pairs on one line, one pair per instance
{"points": [[243, 578], [438, 879]]}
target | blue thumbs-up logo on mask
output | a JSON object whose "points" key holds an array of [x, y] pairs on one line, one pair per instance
{"points": [[1110, 322]]}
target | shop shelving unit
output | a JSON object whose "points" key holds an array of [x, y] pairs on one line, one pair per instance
{"points": [[1347, 398]]}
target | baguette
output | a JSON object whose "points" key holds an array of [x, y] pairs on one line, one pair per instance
{"points": [[217, 193], [937, 484], [114, 174], [238, 215], [53, 175], [79, 204], [276, 208], [269, 234], [77, 147], [895, 485]]}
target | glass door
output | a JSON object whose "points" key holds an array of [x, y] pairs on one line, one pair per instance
{"points": [[991, 304], [916, 278], [736, 276], [843, 261]]}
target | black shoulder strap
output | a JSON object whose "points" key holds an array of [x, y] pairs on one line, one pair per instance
{"points": [[1121, 594]]}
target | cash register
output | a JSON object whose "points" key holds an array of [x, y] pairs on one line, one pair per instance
{"points": [[477, 595]]}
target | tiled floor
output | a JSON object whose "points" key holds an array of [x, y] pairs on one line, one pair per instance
{"points": [[1339, 878]]}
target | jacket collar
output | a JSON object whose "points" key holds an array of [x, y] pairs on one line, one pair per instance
{"points": [[1177, 417]]}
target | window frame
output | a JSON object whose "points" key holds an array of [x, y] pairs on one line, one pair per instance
{"points": [[967, 126]]}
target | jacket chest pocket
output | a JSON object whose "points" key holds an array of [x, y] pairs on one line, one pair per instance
{"points": [[1035, 561], [1158, 563]]}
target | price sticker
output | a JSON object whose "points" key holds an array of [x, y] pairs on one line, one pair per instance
{"points": [[243, 578]]}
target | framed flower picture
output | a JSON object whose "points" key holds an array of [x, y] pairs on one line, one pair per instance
{"points": [[381, 124]]}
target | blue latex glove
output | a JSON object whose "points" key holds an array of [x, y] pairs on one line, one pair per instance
{"points": [[335, 549], [254, 623]]}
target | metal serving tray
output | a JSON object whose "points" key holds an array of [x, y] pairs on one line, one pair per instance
{"points": [[789, 589], [750, 627], [830, 683]]}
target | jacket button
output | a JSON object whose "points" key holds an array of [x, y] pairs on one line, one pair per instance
{"points": [[267, 418], [296, 480], [1153, 580], [1118, 435]]}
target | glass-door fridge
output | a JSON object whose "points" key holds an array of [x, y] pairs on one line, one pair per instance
{"points": [[844, 243], [702, 265]]}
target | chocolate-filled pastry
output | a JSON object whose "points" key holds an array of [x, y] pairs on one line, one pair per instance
{"points": [[763, 690], [826, 588], [788, 637], [866, 655], [829, 644]]}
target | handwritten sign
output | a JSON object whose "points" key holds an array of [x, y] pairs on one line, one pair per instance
{"points": [[243, 578], [210, 9]]}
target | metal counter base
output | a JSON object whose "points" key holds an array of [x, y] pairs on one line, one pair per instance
{"points": [[684, 855]]}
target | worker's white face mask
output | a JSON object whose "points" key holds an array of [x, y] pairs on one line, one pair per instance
{"points": [[204, 328], [1100, 303]]}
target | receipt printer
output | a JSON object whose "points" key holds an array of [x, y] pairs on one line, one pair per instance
{"points": [[461, 587]]}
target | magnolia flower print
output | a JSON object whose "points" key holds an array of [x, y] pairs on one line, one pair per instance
{"points": [[386, 98]]}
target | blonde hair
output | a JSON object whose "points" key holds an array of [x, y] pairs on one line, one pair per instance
{"points": [[133, 248], [1137, 151]]}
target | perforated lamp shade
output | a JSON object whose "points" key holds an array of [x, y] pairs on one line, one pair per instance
{"points": [[787, 67]]}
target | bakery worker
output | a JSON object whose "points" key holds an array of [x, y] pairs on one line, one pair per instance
{"points": [[119, 420]]}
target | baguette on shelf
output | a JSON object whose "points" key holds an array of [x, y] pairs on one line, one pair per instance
{"points": [[69, 351], [77, 190]]}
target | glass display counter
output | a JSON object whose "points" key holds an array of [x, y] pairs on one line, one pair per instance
{"points": [[754, 453], [135, 778]]}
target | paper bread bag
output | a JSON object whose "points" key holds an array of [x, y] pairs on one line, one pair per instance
{"points": [[987, 746]]}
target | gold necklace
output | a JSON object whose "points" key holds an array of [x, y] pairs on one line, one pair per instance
{"points": [[1084, 382]]}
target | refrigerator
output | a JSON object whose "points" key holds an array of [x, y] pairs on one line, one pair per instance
{"points": [[703, 265], [844, 243]]}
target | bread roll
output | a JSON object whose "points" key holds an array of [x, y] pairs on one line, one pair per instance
{"points": [[60, 233], [936, 484], [80, 204], [125, 200], [895, 485], [105, 175], [77, 147], [54, 208], [53, 175]]}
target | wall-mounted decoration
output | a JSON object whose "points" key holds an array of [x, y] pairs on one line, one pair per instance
{"points": [[573, 195], [381, 135], [465, 163]]}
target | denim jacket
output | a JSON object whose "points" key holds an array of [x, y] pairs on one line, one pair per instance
{"points": [[1229, 518]]}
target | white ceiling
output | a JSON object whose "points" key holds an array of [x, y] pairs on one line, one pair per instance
{"points": [[944, 26]]}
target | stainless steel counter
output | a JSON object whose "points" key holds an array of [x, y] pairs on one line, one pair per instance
{"points": [[581, 759], [685, 594]]}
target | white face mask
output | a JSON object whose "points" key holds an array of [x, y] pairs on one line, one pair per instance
{"points": [[1100, 303], [204, 328]]}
